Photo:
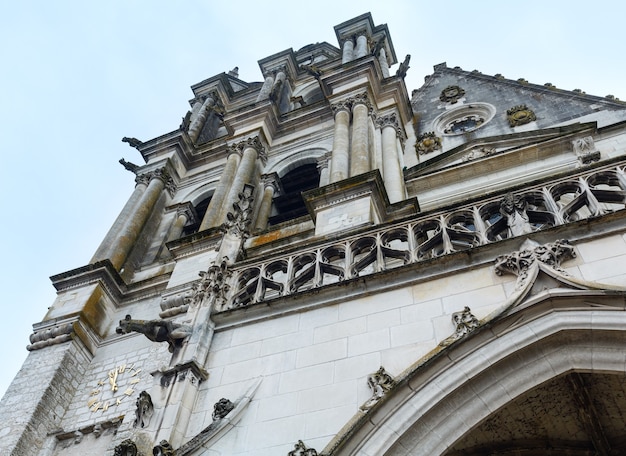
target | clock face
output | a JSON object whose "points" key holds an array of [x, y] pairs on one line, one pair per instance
{"points": [[119, 384]]}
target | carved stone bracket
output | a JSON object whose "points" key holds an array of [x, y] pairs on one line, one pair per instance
{"points": [[520, 115], [380, 382], [427, 143], [156, 330], [300, 449], [222, 408]]}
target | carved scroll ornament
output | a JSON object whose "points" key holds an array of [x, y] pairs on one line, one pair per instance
{"points": [[300, 449]]}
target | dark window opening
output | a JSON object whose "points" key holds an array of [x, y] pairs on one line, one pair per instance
{"points": [[289, 204], [200, 208]]}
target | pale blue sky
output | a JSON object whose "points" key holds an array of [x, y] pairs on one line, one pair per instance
{"points": [[78, 76]]}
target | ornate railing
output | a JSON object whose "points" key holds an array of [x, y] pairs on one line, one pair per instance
{"points": [[586, 195]]}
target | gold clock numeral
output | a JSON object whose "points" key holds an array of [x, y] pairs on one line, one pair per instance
{"points": [[101, 383], [95, 392], [129, 391], [96, 406], [135, 373], [105, 406], [135, 381], [118, 401], [92, 401], [121, 368]]}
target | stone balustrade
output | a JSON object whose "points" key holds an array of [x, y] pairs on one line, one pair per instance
{"points": [[594, 193]]}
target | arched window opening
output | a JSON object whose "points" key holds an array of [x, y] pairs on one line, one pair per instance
{"points": [[289, 204], [200, 208]]}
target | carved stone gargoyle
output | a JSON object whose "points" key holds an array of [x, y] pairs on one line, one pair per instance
{"points": [[126, 448], [156, 330]]}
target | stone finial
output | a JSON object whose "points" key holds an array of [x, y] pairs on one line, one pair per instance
{"points": [[300, 449], [144, 410], [222, 408], [156, 330], [380, 382]]}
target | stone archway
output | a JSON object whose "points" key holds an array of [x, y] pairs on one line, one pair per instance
{"points": [[471, 397]]}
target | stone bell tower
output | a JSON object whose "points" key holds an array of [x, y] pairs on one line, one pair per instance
{"points": [[319, 264]]}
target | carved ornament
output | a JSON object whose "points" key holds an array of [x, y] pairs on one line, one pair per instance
{"points": [[513, 209], [250, 143], [380, 382], [163, 449], [51, 336], [479, 153], [465, 322], [452, 94], [125, 448], [404, 67], [156, 330], [132, 142], [213, 285], [222, 408], [144, 410], [129, 166], [238, 221], [427, 143], [300, 449], [520, 115]]}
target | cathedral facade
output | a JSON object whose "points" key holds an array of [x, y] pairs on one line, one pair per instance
{"points": [[323, 263]]}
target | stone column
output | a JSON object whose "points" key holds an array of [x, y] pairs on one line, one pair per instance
{"points": [[323, 167], [266, 88], [211, 216], [133, 226], [200, 119], [104, 250], [392, 172], [340, 163], [270, 185], [348, 50], [185, 213], [252, 149], [359, 154], [361, 47], [384, 65]]}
